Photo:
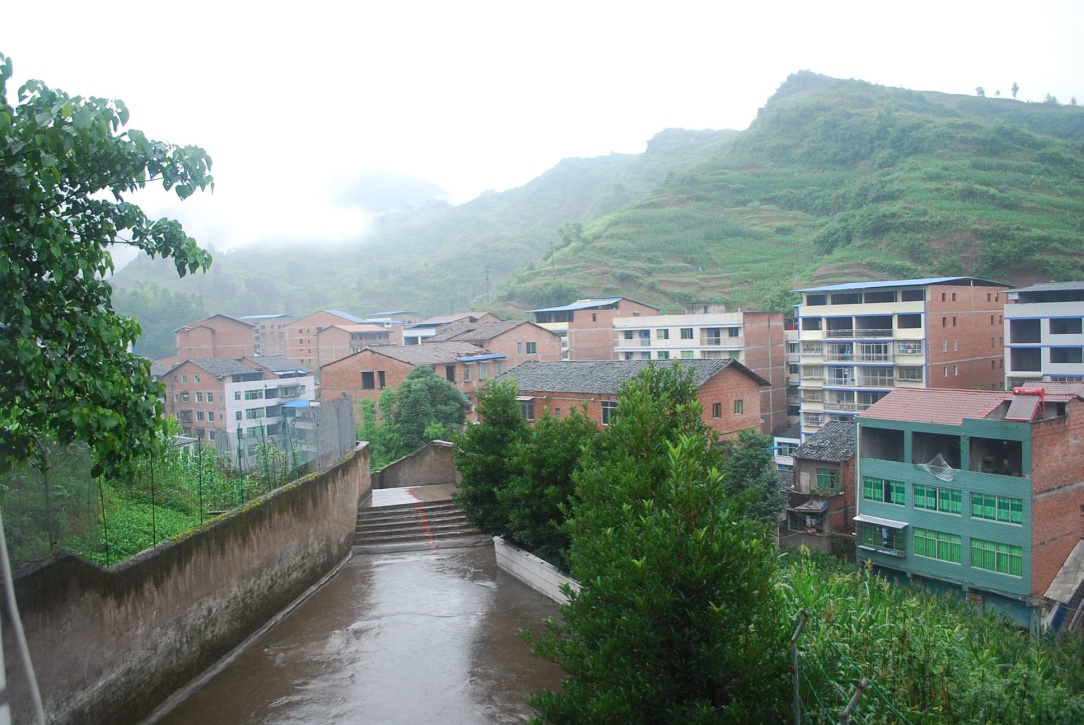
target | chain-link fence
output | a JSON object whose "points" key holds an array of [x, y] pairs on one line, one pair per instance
{"points": [[61, 507]]}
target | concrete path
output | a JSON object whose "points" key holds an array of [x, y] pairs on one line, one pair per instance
{"points": [[410, 637]]}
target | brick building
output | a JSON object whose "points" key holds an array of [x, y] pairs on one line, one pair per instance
{"points": [[425, 329], [586, 326], [210, 394], [364, 375], [728, 391], [755, 339], [337, 341], [862, 340], [977, 493], [301, 340], [269, 334], [821, 503], [517, 340], [215, 336]]}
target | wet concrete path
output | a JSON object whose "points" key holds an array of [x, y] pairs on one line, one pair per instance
{"points": [[409, 637]]}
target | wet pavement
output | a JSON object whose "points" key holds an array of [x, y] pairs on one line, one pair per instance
{"points": [[409, 637]]}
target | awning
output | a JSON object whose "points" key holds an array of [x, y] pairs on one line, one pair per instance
{"points": [[816, 505], [862, 518], [524, 398], [297, 404]]}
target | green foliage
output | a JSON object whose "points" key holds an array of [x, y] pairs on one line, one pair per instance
{"points": [[384, 443], [751, 475], [425, 407], [65, 169], [484, 457], [678, 618], [540, 488], [160, 312]]}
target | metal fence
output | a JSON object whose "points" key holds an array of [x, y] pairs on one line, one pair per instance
{"points": [[61, 507]]}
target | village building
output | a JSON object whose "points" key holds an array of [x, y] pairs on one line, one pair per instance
{"points": [[1044, 334], [422, 331], [335, 342], [217, 336], [269, 335], [586, 326], [517, 340], [301, 334], [821, 502]]}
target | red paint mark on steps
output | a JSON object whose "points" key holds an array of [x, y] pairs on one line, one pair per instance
{"points": [[421, 516]]}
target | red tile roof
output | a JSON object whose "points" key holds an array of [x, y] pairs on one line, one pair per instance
{"points": [[952, 407]]}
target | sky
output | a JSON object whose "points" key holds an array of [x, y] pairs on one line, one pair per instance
{"points": [[319, 115]]}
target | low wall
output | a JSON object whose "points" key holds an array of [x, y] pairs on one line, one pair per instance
{"points": [[539, 575], [109, 645], [428, 466]]}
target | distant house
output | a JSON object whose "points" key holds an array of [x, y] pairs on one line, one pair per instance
{"points": [[217, 336], [301, 340], [729, 392], [821, 502], [977, 493], [586, 326], [422, 331], [364, 375], [337, 341], [269, 333], [517, 340], [1044, 334]]}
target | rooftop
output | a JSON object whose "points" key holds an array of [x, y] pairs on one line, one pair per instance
{"points": [[477, 331], [834, 442], [952, 407], [583, 304], [970, 281], [221, 367], [279, 364], [431, 353], [1052, 287], [605, 377]]}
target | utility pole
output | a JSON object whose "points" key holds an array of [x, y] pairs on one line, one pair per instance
{"points": [[487, 286]]}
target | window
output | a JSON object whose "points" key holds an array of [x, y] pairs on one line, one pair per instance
{"points": [[878, 489], [812, 348], [449, 373], [908, 322], [686, 333], [816, 300], [184, 396], [956, 346], [912, 373], [944, 372], [211, 416], [253, 413], [1002, 558], [913, 295], [646, 355], [526, 410], [944, 322], [811, 323], [237, 415], [734, 332], [237, 395], [828, 478], [944, 346], [594, 317], [813, 419], [882, 537], [210, 397], [953, 296], [1066, 326], [196, 378], [711, 336], [944, 500], [519, 345], [954, 321], [664, 355], [997, 508], [686, 354], [937, 545], [184, 378], [609, 409], [483, 371], [467, 367], [1066, 355], [532, 348], [716, 410], [628, 355], [813, 372], [738, 407], [368, 380], [662, 334], [199, 397], [253, 395], [199, 415]]}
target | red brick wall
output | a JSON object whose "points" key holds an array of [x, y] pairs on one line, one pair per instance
{"points": [[344, 376], [332, 343], [765, 354], [301, 343], [183, 380], [216, 336], [959, 334], [1057, 449], [513, 344], [591, 333], [726, 388]]}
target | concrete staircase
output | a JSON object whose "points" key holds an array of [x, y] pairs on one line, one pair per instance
{"points": [[411, 526]]}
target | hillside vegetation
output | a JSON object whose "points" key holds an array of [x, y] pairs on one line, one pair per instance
{"points": [[836, 180], [841, 181]]}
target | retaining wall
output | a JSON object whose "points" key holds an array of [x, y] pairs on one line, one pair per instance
{"points": [[431, 465], [109, 645], [539, 575]]}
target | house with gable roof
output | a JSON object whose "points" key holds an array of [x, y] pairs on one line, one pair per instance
{"points": [[729, 392], [215, 336], [301, 334], [519, 341], [821, 503], [587, 326], [425, 329], [978, 494]]}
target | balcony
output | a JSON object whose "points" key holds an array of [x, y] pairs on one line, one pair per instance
{"points": [[853, 333]]}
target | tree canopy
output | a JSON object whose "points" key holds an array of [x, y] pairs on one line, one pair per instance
{"points": [[66, 168]]}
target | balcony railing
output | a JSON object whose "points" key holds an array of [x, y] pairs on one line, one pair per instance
{"points": [[830, 405], [857, 332]]}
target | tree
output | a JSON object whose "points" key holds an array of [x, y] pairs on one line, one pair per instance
{"points": [[537, 497], [159, 312], [65, 170], [980, 91], [751, 474], [483, 457], [1015, 89], [424, 408], [679, 617]]}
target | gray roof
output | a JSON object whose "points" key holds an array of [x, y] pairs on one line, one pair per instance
{"points": [[433, 353], [1052, 287], [790, 430], [478, 331], [605, 377], [346, 316], [279, 364], [834, 442], [786, 480], [158, 369], [220, 367], [903, 283]]}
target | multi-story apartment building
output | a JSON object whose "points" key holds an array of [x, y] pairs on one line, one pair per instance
{"points": [[1044, 336], [586, 326], [977, 493], [755, 339], [224, 395], [301, 334], [862, 340], [215, 336], [269, 334], [335, 342]]}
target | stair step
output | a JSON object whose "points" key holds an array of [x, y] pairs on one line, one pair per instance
{"points": [[421, 524]]}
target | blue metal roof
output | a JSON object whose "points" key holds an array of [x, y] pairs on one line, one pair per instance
{"points": [[346, 315], [902, 283], [582, 304], [476, 358], [297, 404]]}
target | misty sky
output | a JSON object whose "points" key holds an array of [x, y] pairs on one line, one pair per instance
{"points": [[319, 114]]}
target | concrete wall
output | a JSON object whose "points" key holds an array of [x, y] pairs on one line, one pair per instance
{"points": [[431, 465], [109, 645], [539, 575]]}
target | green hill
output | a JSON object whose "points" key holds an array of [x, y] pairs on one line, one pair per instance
{"points": [[840, 181]]}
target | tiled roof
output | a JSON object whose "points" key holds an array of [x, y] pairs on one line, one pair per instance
{"points": [[902, 283], [834, 442], [952, 407], [428, 354], [449, 319], [220, 367], [158, 369], [786, 480], [1052, 287], [605, 377], [200, 322], [477, 331], [359, 328], [278, 363], [791, 430]]}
